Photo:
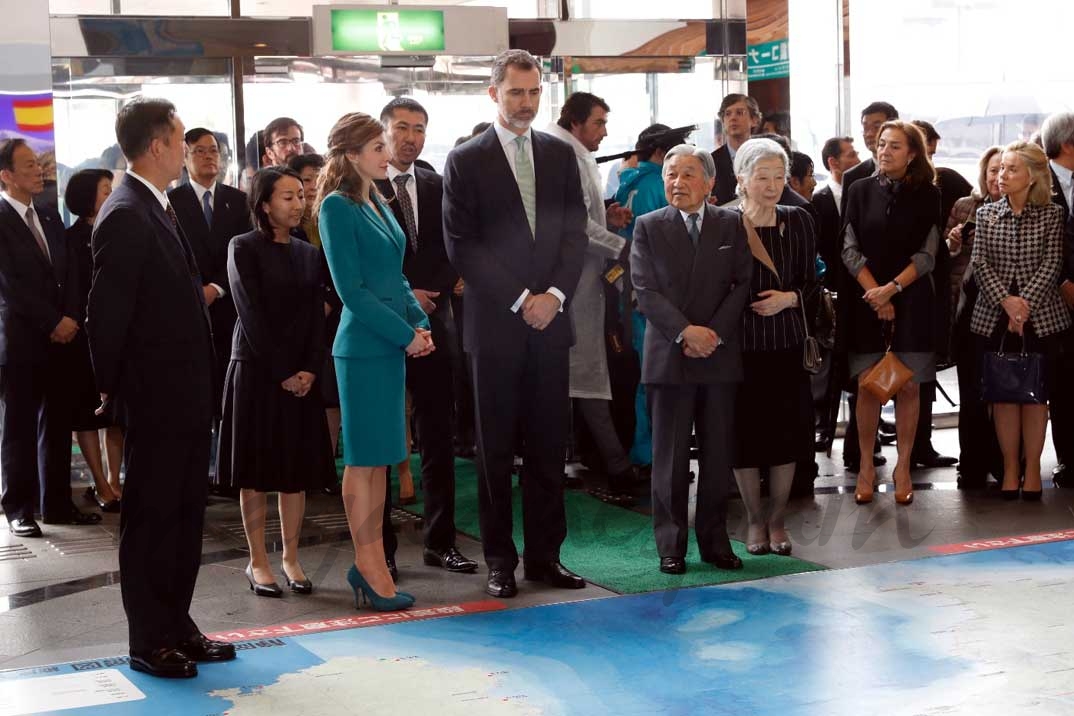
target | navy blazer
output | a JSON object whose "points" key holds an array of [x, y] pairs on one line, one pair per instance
{"points": [[35, 293], [678, 286], [149, 331], [490, 243], [231, 217]]}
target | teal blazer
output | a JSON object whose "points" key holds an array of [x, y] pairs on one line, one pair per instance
{"points": [[365, 257]]}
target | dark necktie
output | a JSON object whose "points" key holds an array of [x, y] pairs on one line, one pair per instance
{"points": [[189, 257], [694, 229], [207, 208], [37, 234], [407, 207]]}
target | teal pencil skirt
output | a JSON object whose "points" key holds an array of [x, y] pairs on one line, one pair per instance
{"points": [[372, 400]]}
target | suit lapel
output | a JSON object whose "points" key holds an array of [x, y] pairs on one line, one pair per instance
{"points": [[679, 245], [392, 233], [56, 240], [707, 247], [502, 176], [19, 229]]}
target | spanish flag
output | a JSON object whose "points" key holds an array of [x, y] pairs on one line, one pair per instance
{"points": [[33, 114]]}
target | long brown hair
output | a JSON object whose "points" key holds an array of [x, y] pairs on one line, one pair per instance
{"points": [[920, 170], [352, 132]]}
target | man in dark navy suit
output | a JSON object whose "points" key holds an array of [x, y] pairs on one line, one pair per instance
{"points": [[152, 352], [210, 214], [416, 196], [39, 315], [514, 225]]}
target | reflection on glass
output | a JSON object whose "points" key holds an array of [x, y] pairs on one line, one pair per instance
{"points": [[139, 7], [304, 8]]}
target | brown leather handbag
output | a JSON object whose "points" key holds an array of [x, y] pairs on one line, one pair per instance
{"points": [[887, 376]]}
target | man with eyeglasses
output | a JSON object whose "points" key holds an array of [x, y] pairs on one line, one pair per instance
{"points": [[283, 140], [741, 116], [210, 214]]}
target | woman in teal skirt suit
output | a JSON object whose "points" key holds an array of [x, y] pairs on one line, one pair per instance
{"points": [[381, 324]]}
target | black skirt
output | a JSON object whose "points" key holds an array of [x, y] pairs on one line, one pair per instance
{"points": [[773, 410], [271, 440]]}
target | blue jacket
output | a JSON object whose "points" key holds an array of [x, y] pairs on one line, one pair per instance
{"points": [[641, 189], [365, 257]]}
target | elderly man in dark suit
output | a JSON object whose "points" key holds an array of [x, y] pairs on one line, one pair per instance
{"points": [[152, 354], [39, 315], [514, 224], [417, 195], [691, 268], [210, 215]]}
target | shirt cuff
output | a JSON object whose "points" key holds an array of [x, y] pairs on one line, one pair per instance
{"points": [[558, 294], [678, 338], [521, 299], [219, 289]]}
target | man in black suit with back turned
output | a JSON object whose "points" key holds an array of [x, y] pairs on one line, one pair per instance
{"points": [[691, 267], [1057, 135], [514, 224], [741, 116], [210, 214], [416, 196], [151, 345], [39, 316]]}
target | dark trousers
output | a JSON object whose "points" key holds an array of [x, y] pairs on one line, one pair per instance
{"points": [[160, 534], [979, 452], [464, 388], [923, 437], [526, 388], [1061, 403], [223, 317], [676, 409], [35, 438]]}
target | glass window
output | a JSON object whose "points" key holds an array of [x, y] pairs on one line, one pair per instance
{"points": [[139, 7], [304, 8]]}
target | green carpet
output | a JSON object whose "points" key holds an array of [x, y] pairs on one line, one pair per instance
{"points": [[612, 546]]}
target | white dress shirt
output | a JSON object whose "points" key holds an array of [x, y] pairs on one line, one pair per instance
{"points": [[21, 208], [161, 196], [837, 194], [200, 191], [510, 150], [411, 188]]}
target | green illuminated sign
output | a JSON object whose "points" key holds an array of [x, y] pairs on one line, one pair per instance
{"points": [[388, 31]]}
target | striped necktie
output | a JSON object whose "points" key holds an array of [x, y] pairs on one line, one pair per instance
{"points": [[527, 185], [407, 207], [207, 208], [41, 244]]}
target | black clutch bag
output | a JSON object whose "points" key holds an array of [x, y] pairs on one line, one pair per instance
{"points": [[1013, 377]]}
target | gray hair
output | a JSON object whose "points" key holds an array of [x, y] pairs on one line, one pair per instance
{"points": [[516, 58], [708, 166], [1057, 130], [753, 151]]}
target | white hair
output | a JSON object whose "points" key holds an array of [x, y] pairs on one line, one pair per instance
{"points": [[708, 166], [757, 150]]}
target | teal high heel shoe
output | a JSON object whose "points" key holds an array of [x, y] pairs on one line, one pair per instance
{"points": [[363, 593]]}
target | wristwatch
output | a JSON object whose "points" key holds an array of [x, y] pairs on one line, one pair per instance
{"points": [[898, 286]]}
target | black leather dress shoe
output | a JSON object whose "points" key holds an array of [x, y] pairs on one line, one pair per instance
{"points": [[572, 482], [24, 527], [393, 568], [450, 559], [1062, 477], [553, 574], [91, 495], [165, 663], [851, 464], [202, 648], [725, 561], [501, 584], [934, 459], [673, 565], [73, 517], [822, 442]]}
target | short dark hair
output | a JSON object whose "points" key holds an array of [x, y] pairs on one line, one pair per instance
{"points": [[7, 153], [479, 128], [778, 139], [781, 120], [658, 137], [301, 162], [578, 107], [755, 109], [255, 149], [80, 197], [931, 135], [888, 110], [279, 126], [832, 149], [408, 103], [261, 189], [193, 136], [801, 165], [141, 121], [512, 58]]}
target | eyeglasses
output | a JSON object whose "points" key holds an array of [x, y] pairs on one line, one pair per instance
{"points": [[294, 143], [205, 152]]}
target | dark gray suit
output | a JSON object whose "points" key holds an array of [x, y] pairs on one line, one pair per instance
{"points": [[678, 286]]}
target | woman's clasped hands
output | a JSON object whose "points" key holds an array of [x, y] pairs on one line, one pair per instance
{"points": [[421, 345]]}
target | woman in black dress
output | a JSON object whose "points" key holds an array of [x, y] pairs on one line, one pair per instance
{"points": [[86, 191], [773, 409], [891, 233], [273, 435]]}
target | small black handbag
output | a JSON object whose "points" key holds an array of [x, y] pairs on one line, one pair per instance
{"points": [[1013, 377]]}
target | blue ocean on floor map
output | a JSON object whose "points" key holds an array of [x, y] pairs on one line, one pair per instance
{"points": [[983, 633]]}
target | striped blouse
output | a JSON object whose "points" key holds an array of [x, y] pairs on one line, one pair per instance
{"points": [[792, 246]]}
